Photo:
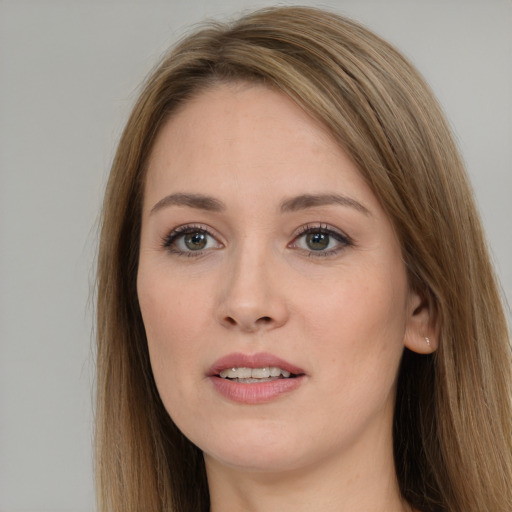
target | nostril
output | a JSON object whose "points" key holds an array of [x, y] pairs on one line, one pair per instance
{"points": [[262, 320]]}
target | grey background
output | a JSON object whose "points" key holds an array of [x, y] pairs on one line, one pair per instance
{"points": [[69, 71]]}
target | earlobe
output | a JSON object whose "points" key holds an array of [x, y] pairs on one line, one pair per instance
{"points": [[421, 344], [421, 334]]}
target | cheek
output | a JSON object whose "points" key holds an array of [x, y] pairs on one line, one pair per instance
{"points": [[360, 330], [359, 302], [361, 323], [170, 307], [172, 319]]}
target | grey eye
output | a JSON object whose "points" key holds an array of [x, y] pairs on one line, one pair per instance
{"points": [[321, 241], [195, 241], [317, 241], [190, 240]]}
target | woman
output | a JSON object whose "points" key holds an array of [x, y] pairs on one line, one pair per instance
{"points": [[296, 306]]}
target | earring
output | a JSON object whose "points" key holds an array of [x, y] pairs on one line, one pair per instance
{"points": [[427, 339]]}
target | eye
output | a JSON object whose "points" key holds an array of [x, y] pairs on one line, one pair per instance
{"points": [[190, 240], [317, 241], [321, 240]]}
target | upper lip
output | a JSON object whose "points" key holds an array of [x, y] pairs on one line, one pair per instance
{"points": [[259, 360]]}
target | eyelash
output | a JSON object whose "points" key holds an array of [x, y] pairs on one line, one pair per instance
{"points": [[342, 239], [170, 240]]}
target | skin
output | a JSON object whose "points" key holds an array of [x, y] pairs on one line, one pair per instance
{"points": [[343, 314]]}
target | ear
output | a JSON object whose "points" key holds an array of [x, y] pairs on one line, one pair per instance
{"points": [[421, 333]]}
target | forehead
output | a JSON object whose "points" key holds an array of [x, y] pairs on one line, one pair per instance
{"points": [[251, 135], [229, 113]]}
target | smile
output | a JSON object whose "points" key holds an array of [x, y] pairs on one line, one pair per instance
{"points": [[254, 379], [252, 375]]}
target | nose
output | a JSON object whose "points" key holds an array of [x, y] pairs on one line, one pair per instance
{"points": [[253, 294]]}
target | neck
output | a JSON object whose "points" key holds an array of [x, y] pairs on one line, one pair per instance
{"points": [[359, 485]]}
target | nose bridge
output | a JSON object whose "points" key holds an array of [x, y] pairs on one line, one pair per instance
{"points": [[250, 298]]}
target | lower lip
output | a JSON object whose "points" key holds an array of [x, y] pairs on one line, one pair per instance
{"points": [[255, 392]]}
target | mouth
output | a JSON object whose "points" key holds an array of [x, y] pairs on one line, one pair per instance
{"points": [[254, 378], [247, 375], [258, 366]]}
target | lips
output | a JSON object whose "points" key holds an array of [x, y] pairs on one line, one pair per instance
{"points": [[259, 360], [244, 373], [230, 377]]}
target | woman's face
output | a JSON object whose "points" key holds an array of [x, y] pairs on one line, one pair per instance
{"points": [[265, 257]]}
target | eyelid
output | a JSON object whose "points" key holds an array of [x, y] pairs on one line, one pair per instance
{"points": [[174, 234], [342, 238]]}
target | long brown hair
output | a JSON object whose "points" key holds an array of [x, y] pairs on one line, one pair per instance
{"points": [[453, 418]]}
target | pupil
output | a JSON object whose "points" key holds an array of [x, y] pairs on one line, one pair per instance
{"points": [[317, 241], [195, 241]]}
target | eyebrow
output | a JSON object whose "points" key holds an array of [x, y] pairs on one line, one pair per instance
{"points": [[302, 202], [199, 201], [305, 201]]}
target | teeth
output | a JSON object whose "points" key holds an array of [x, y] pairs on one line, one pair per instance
{"points": [[273, 371], [243, 373], [253, 373], [261, 373]]}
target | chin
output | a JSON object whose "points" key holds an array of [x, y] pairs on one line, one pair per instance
{"points": [[258, 449], [255, 460], [271, 463]]}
